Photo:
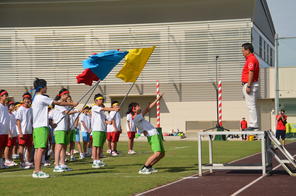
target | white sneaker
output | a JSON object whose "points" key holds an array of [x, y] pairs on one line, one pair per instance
{"points": [[72, 158], [46, 164], [81, 156], [40, 174], [66, 168], [101, 163], [95, 165], [8, 163], [145, 171], [153, 170], [114, 154], [109, 151], [24, 166], [131, 152], [58, 169]]}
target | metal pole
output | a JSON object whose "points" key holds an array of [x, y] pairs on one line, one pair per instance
{"points": [[199, 155], [210, 152], [263, 154], [276, 95]]}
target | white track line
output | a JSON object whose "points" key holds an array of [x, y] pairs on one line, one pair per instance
{"points": [[189, 177], [254, 181]]}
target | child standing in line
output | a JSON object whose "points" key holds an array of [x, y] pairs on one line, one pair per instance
{"points": [[40, 123], [12, 138], [61, 132], [113, 129], [85, 126], [98, 123], [4, 125], [131, 130], [24, 122], [152, 135]]}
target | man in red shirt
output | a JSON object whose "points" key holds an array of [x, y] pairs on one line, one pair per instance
{"points": [[250, 76], [281, 126], [243, 127]]}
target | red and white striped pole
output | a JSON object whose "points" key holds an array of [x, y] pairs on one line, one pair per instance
{"points": [[157, 105], [220, 102]]}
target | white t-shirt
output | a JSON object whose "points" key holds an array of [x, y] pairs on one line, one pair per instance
{"points": [[4, 120], [86, 119], [12, 125], [25, 115], [61, 119], [40, 110], [130, 122], [98, 119], [144, 125], [113, 115], [72, 120]]}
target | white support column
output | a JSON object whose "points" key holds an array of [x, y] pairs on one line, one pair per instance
{"points": [[199, 155]]}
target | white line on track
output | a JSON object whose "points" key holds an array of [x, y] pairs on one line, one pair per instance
{"points": [[254, 181], [189, 177]]}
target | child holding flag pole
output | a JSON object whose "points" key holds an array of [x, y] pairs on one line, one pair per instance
{"points": [[40, 123]]}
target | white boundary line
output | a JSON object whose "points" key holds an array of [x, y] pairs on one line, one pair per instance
{"points": [[254, 181], [188, 177]]}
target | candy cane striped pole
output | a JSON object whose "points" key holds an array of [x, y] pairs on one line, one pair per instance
{"points": [[157, 105], [220, 102]]}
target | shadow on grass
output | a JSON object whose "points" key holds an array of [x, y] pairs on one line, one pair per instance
{"points": [[86, 173], [16, 169], [177, 169]]}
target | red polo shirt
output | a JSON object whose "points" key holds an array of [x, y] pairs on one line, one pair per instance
{"points": [[251, 64], [244, 124], [280, 124]]}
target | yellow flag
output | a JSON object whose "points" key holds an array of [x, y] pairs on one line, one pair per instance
{"points": [[135, 61]]}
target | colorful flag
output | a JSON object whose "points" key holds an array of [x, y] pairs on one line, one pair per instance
{"points": [[98, 66], [135, 61]]}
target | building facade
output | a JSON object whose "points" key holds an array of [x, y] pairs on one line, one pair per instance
{"points": [[194, 40]]}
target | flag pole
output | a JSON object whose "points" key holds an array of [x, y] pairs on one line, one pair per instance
{"points": [[128, 92], [92, 88]]}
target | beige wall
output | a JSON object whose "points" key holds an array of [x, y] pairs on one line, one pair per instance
{"points": [[287, 82]]}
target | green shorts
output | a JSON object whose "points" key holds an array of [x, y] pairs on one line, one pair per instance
{"points": [[72, 136], [61, 137], [99, 138], [40, 137], [155, 142]]}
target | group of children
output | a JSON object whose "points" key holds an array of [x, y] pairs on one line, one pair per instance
{"points": [[40, 125]]}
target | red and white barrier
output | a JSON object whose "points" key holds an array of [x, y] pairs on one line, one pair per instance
{"points": [[157, 105], [220, 102]]}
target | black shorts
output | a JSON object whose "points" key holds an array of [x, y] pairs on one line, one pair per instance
{"points": [[280, 134]]}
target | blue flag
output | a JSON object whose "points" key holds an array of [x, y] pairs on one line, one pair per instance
{"points": [[102, 64]]}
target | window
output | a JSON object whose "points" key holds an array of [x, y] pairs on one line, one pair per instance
{"points": [[271, 56], [264, 51], [260, 46]]}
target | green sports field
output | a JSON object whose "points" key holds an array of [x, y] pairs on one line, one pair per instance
{"points": [[120, 176]]}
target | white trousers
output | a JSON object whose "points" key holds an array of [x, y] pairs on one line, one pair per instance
{"points": [[251, 103]]}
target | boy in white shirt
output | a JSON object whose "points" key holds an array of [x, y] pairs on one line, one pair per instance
{"points": [[40, 123], [152, 135], [24, 122], [85, 127], [98, 123], [4, 125], [113, 129]]}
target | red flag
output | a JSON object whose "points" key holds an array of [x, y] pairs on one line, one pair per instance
{"points": [[87, 77]]}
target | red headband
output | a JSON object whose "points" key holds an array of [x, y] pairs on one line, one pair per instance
{"points": [[64, 92], [3, 93], [27, 96]]}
